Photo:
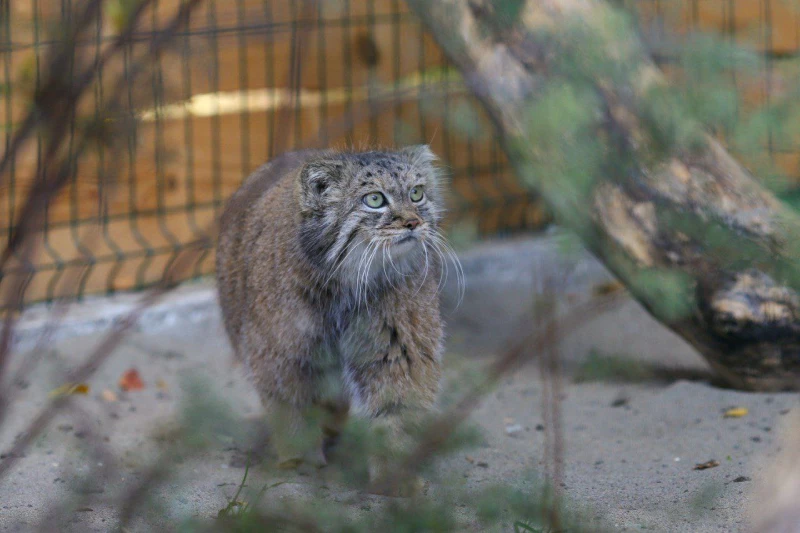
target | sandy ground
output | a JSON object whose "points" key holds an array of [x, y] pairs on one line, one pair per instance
{"points": [[630, 446]]}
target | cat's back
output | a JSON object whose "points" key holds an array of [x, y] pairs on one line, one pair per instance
{"points": [[253, 226]]}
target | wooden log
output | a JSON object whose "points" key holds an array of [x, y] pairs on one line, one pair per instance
{"points": [[734, 299]]}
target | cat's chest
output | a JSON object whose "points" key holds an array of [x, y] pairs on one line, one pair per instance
{"points": [[351, 326], [337, 320], [350, 310]]}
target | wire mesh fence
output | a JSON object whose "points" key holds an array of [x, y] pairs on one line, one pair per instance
{"points": [[223, 100], [248, 79]]}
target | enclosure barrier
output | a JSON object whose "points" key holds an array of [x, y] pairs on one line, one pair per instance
{"points": [[223, 100]]}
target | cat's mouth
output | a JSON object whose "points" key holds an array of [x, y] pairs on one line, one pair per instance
{"points": [[406, 238], [405, 243]]}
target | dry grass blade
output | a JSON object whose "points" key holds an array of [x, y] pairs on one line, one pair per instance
{"points": [[53, 103], [550, 371], [56, 176], [29, 363], [294, 73], [46, 189], [53, 179], [101, 353], [445, 425], [54, 109]]}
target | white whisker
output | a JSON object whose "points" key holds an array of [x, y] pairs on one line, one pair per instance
{"points": [[460, 276], [343, 260], [394, 266], [425, 276], [358, 271], [383, 262], [442, 266], [366, 276]]}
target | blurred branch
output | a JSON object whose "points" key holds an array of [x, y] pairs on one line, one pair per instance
{"points": [[56, 175], [57, 98], [587, 119], [55, 113], [530, 344], [101, 353]]}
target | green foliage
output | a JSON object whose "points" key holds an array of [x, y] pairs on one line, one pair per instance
{"points": [[465, 120], [507, 12], [568, 154], [335, 499], [568, 244], [463, 234], [120, 12], [237, 508], [599, 366], [709, 65], [601, 50], [669, 292], [669, 123], [530, 506], [205, 418]]}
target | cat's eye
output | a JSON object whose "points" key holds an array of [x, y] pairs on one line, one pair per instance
{"points": [[374, 200], [417, 194]]}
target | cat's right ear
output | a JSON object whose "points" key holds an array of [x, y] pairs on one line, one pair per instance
{"points": [[316, 177]]}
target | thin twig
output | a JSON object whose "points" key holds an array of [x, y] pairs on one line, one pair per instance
{"points": [[43, 110], [444, 425], [36, 205], [47, 188], [98, 356], [293, 76]]}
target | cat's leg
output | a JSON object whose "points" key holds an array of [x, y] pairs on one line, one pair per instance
{"points": [[293, 390], [393, 372], [294, 434], [335, 412]]}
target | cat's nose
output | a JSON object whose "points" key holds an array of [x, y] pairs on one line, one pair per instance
{"points": [[412, 223]]}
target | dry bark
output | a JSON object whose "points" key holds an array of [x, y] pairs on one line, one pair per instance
{"points": [[741, 299]]}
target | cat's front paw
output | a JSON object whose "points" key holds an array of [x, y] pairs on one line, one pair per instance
{"points": [[386, 482], [407, 488], [289, 463], [314, 459]]}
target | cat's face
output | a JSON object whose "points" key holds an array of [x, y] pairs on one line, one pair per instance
{"points": [[371, 212]]}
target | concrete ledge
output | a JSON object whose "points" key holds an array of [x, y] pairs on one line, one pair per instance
{"points": [[501, 277], [189, 303]]}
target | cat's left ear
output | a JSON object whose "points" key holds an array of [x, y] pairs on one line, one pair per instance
{"points": [[420, 154], [315, 178]]}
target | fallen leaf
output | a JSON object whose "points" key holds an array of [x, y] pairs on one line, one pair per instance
{"points": [[620, 401], [735, 412], [70, 388], [610, 287], [708, 464], [109, 396], [131, 380]]}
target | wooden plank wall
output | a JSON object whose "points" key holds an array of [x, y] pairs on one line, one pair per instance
{"points": [[770, 27], [172, 177]]}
